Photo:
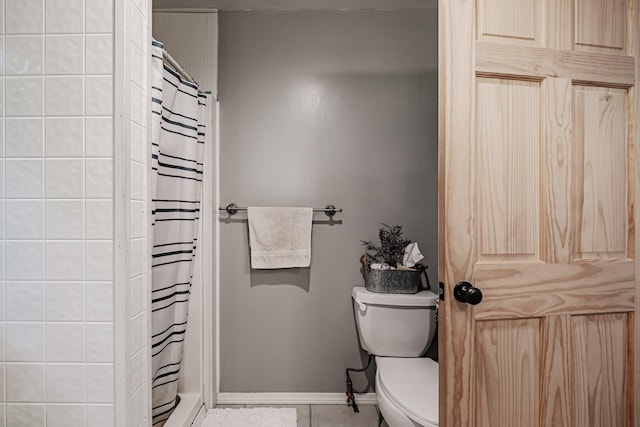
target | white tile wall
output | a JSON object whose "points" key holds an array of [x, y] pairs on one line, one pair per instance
{"points": [[2, 388], [23, 219], [63, 178], [65, 415], [99, 260], [137, 339], [64, 137], [100, 416], [24, 260], [24, 16], [24, 301], [64, 95], [24, 96], [99, 219], [25, 343], [100, 386], [98, 95], [65, 383], [99, 301], [56, 213], [65, 219], [135, 417], [136, 380], [25, 382], [64, 16], [98, 177], [99, 59], [65, 301], [23, 137], [63, 54], [138, 251], [100, 343], [24, 178], [99, 137], [23, 415], [137, 41], [99, 16], [23, 55], [64, 260], [137, 295], [65, 342]]}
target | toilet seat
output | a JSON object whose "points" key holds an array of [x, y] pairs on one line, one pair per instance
{"points": [[411, 384]]}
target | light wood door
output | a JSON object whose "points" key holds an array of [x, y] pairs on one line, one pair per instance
{"points": [[539, 129]]}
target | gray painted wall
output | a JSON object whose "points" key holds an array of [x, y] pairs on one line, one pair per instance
{"points": [[319, 107]]}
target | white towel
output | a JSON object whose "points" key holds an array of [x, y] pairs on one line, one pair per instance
{"points": [[280, 237]]}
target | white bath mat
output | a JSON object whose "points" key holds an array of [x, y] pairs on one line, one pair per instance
{"points": [[250, 417]]}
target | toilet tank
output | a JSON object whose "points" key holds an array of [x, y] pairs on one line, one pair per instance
{"points": [[395, 325]]}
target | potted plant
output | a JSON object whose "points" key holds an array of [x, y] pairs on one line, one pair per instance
{"points": [[382, 264]]}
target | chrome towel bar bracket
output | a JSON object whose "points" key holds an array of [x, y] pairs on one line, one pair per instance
{"points": [[329, 210]]}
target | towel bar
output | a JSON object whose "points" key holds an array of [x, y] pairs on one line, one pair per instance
{"points": [[329, 210]]}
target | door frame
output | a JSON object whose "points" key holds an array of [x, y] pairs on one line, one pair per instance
{"points": [[456, 26]]}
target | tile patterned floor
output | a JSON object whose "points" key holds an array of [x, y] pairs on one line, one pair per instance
{"points": [[328, 415]]}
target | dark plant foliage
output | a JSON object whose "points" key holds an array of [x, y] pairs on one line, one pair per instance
{"points": [[391, 248]]}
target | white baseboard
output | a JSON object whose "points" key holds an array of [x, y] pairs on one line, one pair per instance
{"points": [[292, 399]]}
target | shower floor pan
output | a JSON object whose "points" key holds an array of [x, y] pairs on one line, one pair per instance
{"points": [[187, 412]]}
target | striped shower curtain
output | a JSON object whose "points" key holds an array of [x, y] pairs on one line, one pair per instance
{"points": [[177, 132]]}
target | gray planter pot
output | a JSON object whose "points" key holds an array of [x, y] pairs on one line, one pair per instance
{"points": [[392, 281]]}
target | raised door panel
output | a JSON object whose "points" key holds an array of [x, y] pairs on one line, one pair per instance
{"points": [[601, 362], [507, 373], [602, 193], [509, 21], [600, 25], [580, 365], [508, 167]]}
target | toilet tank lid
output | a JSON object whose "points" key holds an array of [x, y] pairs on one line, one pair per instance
{"points": [[422, 299]]}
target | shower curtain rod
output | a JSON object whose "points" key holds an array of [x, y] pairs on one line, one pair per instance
{"points": [[177, 67]]}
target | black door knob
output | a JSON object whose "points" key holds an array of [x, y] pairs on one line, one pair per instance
{"points": [[466, 292]]}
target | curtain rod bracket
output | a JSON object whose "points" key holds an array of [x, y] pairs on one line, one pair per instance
{"points": [[231, 209]]}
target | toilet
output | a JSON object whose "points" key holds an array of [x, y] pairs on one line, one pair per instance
{"points": [[397, 329]]}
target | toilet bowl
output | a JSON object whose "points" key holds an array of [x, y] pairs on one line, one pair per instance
{"points": [[398, 329], [407, 391]]}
